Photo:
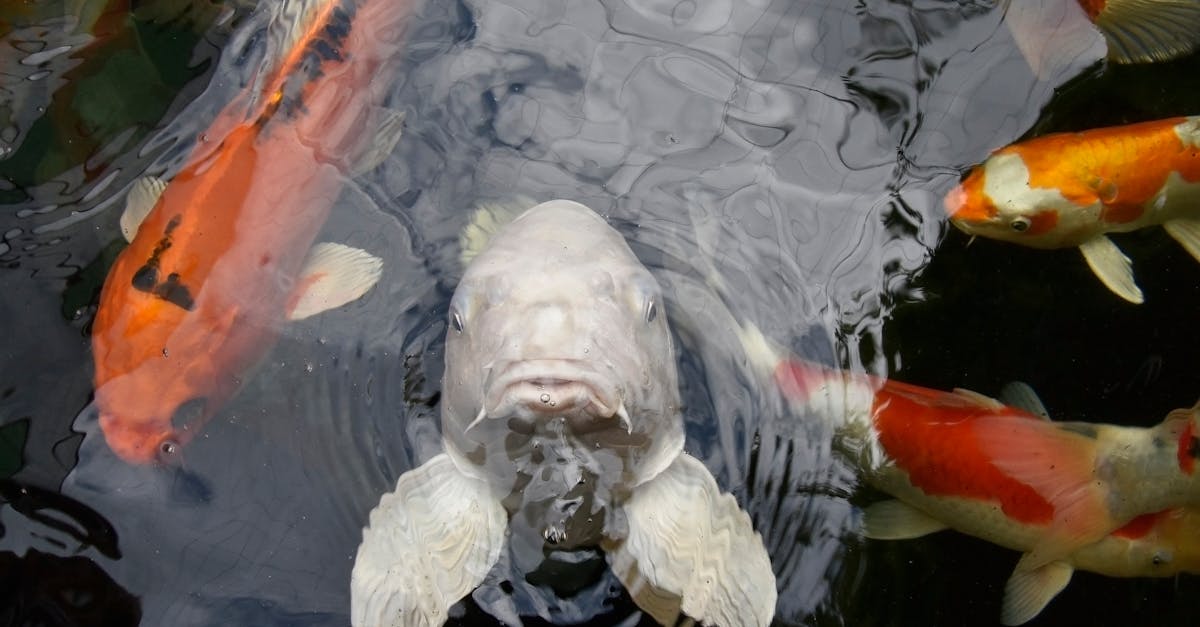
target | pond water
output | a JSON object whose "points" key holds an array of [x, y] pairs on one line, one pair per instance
{"points": [[777, 162]]}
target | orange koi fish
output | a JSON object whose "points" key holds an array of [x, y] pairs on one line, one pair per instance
{"points": [[1071, 189], [221, 256], [1054, 34], [1069, 495]]}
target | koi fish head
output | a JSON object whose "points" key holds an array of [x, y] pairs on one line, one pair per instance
{"points": [[559, 358], [1162, 543], [147, 421], [998, 201]]}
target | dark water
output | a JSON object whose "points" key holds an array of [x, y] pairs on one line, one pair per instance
{"points": [[774, 162]]}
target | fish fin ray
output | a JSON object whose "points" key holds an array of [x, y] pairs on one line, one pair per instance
{"points": [[486, 221], [387, 125], [1187, 233], [1112, 267], [690, 549], [1021, 395], [139, 202], [333, 275], [1144, 31], [1028, 590], [1060, 466], [897, 520], [426, 545]]}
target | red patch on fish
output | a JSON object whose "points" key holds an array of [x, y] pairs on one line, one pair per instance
{"points": [[1042, 222], [1093, 7], [1140, 526], [931, 436], [1188, 449]]}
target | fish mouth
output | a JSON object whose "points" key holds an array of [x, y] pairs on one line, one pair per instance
{"points": [[543, 388]]}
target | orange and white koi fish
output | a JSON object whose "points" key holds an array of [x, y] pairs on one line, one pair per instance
{"points": [[1069, 495], [224, 254], [1054, 34], [1071, 189]]}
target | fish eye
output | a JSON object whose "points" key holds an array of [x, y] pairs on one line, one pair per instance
{"points": [[168, 451], [1020, 224], [651, 311], [456, 321]]}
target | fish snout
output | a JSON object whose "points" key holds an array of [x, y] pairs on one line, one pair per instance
{"points": [[538, 390]]}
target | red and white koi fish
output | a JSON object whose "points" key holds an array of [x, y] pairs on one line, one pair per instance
{"points": [[1071, 189], [224, 254], [1070, 495], [1053, 34]]}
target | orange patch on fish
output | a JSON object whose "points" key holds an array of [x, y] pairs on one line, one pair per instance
{"points": [[967, 201], [1122, 167]]}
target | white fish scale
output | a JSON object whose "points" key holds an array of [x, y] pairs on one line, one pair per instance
{"points": [[417, 558]]}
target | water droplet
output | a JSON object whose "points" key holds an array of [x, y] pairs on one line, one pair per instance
{"points": [[308, 367], [545, 398], [164, 351], [553, 403]]}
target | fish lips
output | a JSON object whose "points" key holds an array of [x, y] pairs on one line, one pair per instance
{"points": [[531, 390]]}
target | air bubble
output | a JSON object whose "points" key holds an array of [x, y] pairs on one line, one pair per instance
{"points": [[545, 398]]}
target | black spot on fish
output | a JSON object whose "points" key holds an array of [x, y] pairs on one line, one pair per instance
{"points": [[326, 47], [175, 292], [145, 278], [326, 51]]}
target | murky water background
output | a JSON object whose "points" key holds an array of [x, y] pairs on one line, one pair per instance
{"points": [[775, 162]]}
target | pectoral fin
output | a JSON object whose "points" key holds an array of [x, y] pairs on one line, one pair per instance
{"points": [[691, 550], [1187, 233], [385, 128], [896, 520], [1029, 590], [428, 544], [1060, 465], [1142, 31], [143, 195], [1112, 267], [333, 275]]}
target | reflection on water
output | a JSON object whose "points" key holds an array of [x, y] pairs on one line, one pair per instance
{"points": [[775, 162]]}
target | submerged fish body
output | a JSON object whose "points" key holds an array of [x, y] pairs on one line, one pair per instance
{"points": [[224, 253], [1072, 189], [1113, 500], [561, 413]]}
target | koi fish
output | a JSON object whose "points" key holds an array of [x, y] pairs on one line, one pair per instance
{"points": [[1069, 495], [221, 256], [1072, 189], [1055, 34], [561, 420]]}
